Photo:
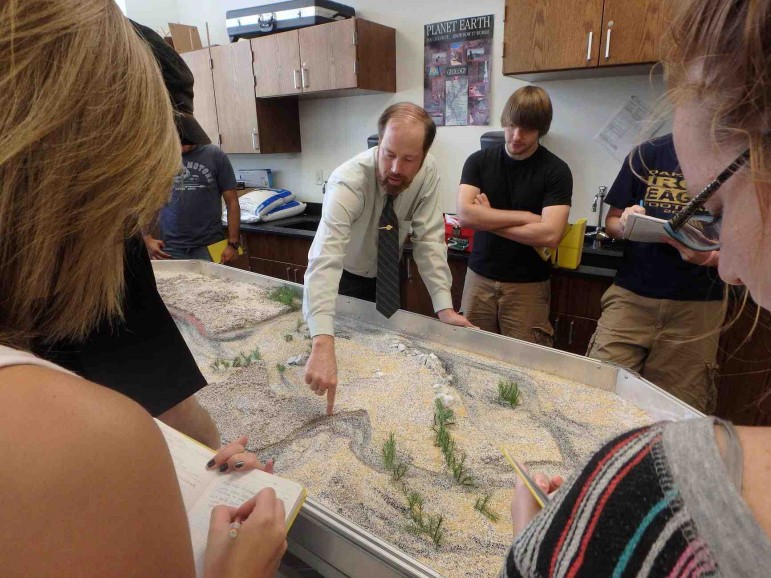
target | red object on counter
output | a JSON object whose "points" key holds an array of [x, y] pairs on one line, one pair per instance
{"points": [[455, 236]]}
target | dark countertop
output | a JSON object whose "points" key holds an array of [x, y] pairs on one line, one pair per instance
{"points": [[601, 262], [289, 227]]}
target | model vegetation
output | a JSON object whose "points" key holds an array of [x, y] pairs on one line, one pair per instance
{"points": [[455, 460], [397, 468], [421, 522], [241, 360], [508, 392], [285, 296], [482, 506]]}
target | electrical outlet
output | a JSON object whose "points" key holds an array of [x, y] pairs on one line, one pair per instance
{"points": [[319, 177]]}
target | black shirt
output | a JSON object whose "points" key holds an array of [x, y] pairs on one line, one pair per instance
{"points": [[656, 270], [541, 180], [144, 357]]}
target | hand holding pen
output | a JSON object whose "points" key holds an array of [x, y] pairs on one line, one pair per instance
{"points": [[248, 541], [530, 495]]}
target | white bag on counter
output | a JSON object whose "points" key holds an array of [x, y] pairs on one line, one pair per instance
{"points": [[257, 204], [290, 209]]}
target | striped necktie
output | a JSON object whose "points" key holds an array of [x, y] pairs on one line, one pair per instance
{"points": [[388, 298]]}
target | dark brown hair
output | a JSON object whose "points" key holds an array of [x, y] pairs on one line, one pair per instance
{"points": [[529, 108], [409, 112]]}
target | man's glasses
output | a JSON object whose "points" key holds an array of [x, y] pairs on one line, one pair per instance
{"points": [[702, 232]]}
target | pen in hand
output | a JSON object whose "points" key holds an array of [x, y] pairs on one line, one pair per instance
{"points": [[234, 527], [539, 495]]}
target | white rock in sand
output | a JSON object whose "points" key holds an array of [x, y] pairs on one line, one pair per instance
{"points": [[379, 373], [298, 359]]}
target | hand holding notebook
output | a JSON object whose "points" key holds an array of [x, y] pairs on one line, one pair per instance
{"points": [[644, 229], [203, 489]]}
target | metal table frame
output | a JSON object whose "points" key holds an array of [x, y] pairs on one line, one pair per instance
{"points": [[336, 547]]}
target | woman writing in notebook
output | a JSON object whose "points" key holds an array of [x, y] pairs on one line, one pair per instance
{"points": [[685, 498], [88, 151]]}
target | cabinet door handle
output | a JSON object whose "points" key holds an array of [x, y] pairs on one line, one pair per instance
{"points": [[304, 75], [295, 78], [607, 44], [254, 140], [570, 332], [409, 268], [589, 45]]}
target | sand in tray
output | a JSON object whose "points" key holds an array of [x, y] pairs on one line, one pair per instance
{"points": [[220, 305], [388, 383]]}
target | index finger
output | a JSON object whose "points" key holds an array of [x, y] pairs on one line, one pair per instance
{"points": [[331, 392]]}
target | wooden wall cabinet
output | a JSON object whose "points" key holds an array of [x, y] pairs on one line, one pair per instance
{"points": [[225, 102], [559, 35], [349, 55], [204, 104]]}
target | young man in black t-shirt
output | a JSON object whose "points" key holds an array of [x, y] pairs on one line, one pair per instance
{"points": [[516, 197], [661, 316]]}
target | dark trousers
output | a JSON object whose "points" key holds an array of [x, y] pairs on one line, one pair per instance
{"points": [[357, 286]]}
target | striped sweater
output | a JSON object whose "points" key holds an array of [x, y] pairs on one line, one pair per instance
{"points": [[656, 501]]}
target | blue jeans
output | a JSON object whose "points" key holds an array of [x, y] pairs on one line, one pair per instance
{"points": [[200, 253]]}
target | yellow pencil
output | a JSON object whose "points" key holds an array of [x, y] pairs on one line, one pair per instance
{"points": [[539, 495]]}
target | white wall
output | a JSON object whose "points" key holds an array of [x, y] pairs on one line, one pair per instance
{"points": [[335, 129], [155, 14]]}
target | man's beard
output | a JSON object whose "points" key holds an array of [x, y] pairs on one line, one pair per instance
{"points": [[389, 187]]}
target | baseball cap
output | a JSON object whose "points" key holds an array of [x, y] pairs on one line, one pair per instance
{"points": [[179, 83]]}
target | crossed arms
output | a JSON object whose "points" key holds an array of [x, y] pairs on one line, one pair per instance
{"points": [[545, 230]]}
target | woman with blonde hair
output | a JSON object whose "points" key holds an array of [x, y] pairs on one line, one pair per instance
{"points": [[685, 498], [88, 151]]}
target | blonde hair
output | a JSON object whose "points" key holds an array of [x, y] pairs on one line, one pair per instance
{"points": [[719, 54], [530, 108], [88, 152]]}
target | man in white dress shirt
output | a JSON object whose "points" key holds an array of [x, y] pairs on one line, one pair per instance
{"points": [[372, 202]]}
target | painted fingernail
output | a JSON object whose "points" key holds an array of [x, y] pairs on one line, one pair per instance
{"points": [[210, 463], [224, 468], [238, 464]]}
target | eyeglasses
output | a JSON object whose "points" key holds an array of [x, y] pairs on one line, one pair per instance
{"points": [[702, 232]]}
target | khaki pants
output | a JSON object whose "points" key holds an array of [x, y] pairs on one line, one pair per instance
{"points": [[670, 343], [519, 310]]}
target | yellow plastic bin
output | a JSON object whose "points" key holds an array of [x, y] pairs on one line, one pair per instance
{"points": [[572, 245]]}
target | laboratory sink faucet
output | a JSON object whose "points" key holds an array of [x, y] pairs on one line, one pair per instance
{"points": [[597, 207]]}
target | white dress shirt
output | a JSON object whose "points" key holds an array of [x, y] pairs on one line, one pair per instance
{"points": [[347, 236]]}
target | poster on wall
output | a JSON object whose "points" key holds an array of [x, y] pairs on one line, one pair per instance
{"points": [[457, 71]]}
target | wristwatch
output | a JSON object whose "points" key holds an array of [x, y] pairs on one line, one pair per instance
{"points": [[234, 245]]}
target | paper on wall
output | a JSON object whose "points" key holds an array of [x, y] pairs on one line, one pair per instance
{"points": [[627, 128]]}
